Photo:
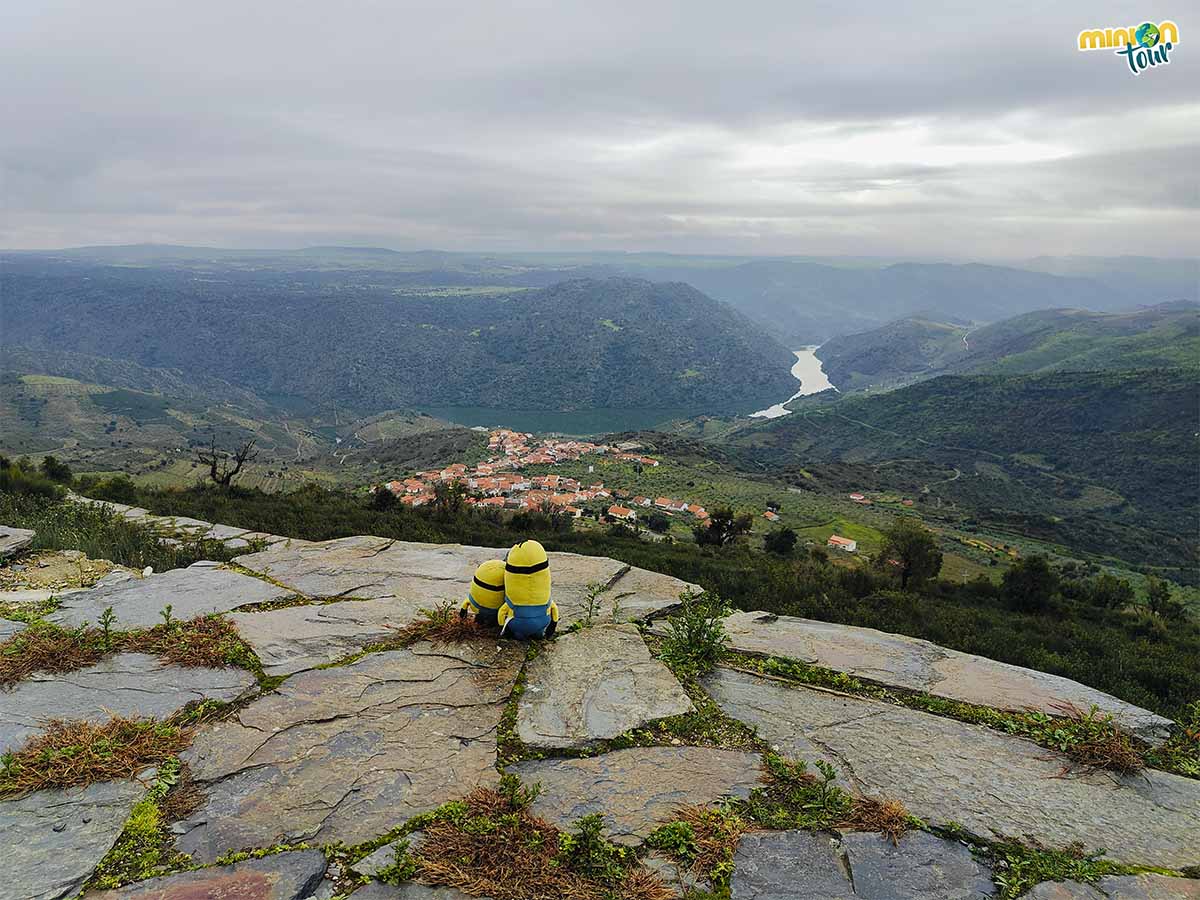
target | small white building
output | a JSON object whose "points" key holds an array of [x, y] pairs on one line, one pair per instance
{"points": [[837, 542]]}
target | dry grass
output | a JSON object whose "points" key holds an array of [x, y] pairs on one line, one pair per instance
{"points": [[206, 641], [80, 753], [442, 625], [1093, 740], [210, 642], [885, 816], [716, 836], [503, 851], [46, 648]]}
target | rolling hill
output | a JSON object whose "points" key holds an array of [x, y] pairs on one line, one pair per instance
{"points": [[1105, 460], [1047, 340], [367, 341]]}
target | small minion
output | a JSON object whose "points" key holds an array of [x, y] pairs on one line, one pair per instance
{"points": [[486, 594], [528, 611]]}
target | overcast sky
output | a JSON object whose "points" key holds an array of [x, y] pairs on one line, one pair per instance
{"points": [[883, 128]]}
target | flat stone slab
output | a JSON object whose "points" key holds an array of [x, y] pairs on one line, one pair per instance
{"points": [[1120, 887], [919, 665], [53, 840], [345, 754], [14, 540], [789, 865], [369, 568], [198, 590], [410, 890], [993, 784], [127, 684], [918, 865], [805, 865], [296, 638], [282, 876], [637, 789], [9, 628], [640, 594], [595, 684]]}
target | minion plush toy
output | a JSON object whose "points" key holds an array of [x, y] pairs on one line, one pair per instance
{"points": [[528, 611], [486, 594]]}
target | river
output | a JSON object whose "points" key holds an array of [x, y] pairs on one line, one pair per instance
{"points": [[812, 378]]}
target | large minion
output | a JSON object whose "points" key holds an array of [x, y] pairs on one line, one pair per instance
{"points": [[528, 611], [486, 594]]}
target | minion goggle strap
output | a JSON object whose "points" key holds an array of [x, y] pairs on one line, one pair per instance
{"points": [[526, 570]]}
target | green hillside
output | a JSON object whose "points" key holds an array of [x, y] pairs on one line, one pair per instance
{"points": [[1103, 460], [909, 350], [372, 341]]}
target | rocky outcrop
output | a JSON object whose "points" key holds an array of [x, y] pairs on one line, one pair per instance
{"points": [[128, 684], [302, 637], [637, 790], [1120, 887], [917, 665], [593, 685], [52, 840], [281, 876], [14, 540], [994, 784], [805, 865], [199, 590], [344, 754], [370, 568]]}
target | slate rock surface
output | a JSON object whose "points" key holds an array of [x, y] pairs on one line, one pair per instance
{"points": [[198, 590], [296, 638], [592, 685], [127, 684], [994, 784], [281, 876], [918, 865], [919, 665], [349, 752], [637, 789], [14, 540], [367, 568], [9, 629], [51, 840], [410, 890], [789, 865]]}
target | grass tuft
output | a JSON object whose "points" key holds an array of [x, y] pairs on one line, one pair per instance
{"points": [[442, 625], [205, 641], [696, 638], [702, 841], [67, 754], [492, 845]]}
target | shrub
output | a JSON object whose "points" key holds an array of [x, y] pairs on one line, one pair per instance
{"points": [[781, 541], [696, 638]]}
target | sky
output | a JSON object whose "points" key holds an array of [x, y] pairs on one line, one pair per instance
{"points": [[948, 130]]}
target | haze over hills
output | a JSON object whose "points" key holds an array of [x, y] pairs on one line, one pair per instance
{"points": [[369, 343], [910, 349], [798, 300]]}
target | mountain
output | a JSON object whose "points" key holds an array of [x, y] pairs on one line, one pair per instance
{"points": [[1103, 458], [368, 341], [911, 349], [894, 354], [806, 303]]}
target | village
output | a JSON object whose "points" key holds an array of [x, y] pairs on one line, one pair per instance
{"points": [[501, 482]]}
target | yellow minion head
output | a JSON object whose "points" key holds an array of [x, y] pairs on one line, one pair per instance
{"points": [[527, 575], [487, 587]]}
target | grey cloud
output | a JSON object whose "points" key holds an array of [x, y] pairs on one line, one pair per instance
{"points": [[768, 127]]}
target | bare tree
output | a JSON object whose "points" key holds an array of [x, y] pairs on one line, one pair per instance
{"points": [[224, 466]]}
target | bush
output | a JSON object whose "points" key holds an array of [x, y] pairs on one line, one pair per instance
{"points": [[16, 480], [781, 542], [658, 523], [1030, 584], [58, 472], [696, 638]]}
